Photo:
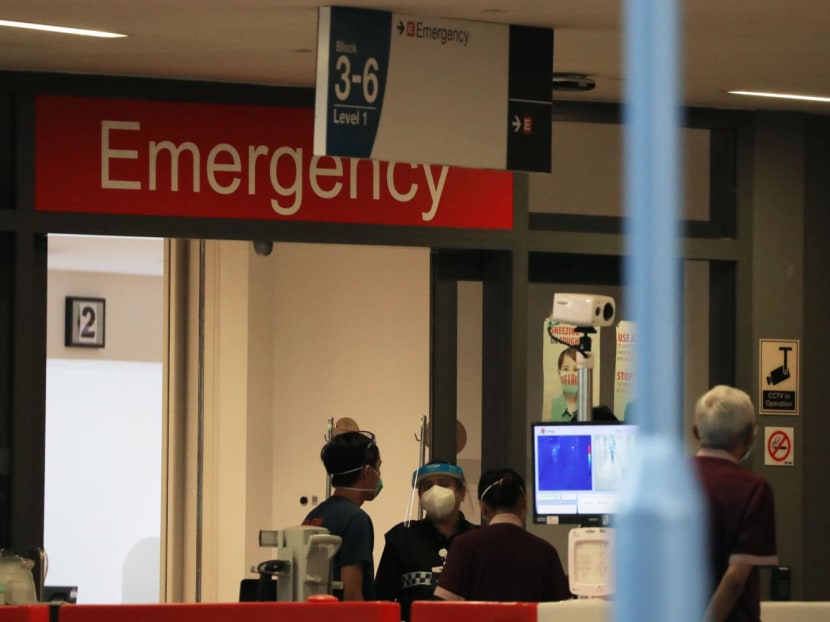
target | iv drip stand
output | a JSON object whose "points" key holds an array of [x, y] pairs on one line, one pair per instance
{"points": [[329, 433], [422, 455]]}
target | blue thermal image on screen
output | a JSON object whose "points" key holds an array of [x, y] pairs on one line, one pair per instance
{"points": [[565, 462]]}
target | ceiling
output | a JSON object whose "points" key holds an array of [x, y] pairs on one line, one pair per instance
{"points": [[760, 45], [112, 254]]}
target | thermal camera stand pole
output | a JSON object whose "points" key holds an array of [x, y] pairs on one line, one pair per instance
{"points": [[584, 375]]}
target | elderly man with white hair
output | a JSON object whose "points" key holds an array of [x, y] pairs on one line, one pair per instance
{"points": [[740, 503]]}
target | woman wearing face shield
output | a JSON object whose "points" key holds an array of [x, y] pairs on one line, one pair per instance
{"points": [[415, 551]]}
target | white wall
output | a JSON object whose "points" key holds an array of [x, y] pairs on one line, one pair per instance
{"points": [[102, 497], [133, 314], [102, 500], [350, 338]]}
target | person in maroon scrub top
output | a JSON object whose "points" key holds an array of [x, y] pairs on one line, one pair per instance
{"points": [[502, 561]]}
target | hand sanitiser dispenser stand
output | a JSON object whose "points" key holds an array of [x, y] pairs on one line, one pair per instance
{"points": [[303, 564]]}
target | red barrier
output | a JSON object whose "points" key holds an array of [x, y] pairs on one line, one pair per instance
{"points": [[24, 613], [235, 612], [472, 611]]}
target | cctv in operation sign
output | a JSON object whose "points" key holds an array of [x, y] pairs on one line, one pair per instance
{"points": [[423, 89], [778, 377]]}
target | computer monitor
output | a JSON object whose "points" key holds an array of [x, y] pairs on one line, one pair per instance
{"points": [[578, 468]]}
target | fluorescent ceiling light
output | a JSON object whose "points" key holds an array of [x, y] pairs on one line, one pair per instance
{"points": [[61, 29], [809, 98]]}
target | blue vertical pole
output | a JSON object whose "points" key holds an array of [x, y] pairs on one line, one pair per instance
{"points": [[661, 553]]}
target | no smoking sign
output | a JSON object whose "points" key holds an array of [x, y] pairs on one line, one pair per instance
{"points": [[779, 447]]}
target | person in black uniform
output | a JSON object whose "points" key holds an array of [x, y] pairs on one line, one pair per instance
{"points": [[415, 552]]}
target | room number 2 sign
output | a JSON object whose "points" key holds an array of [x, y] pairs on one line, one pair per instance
{"points": [[85, 322]]}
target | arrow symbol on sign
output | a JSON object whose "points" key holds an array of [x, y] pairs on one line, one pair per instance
{"points": [[400, 27], [517, 123]]}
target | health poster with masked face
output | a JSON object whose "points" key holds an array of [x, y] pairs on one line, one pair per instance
{"points": [[624, 372], [560, 358]]}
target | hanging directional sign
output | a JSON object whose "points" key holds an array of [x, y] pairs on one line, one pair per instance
{"points": [[423, 89]]}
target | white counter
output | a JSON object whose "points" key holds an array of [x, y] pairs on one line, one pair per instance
{"points": [[596, 610]]}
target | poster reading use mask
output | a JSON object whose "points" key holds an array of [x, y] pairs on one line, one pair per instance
{"points": [[624, 373], [560, 392]]}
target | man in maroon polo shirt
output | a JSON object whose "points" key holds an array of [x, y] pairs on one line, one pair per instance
{"points": [[741, 506]]}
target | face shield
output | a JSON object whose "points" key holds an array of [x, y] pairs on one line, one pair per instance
{"points": [[439, 474]]}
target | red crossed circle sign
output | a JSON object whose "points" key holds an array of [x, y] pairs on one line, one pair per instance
{"points": [[779, 446]]}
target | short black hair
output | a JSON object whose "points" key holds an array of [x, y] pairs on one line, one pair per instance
{"points": [[500, 488], [345, 453], [602, 413]]}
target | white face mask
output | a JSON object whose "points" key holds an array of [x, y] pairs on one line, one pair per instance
{"points": [[438, 502]]}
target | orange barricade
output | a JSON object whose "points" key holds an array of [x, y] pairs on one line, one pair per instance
{"points": [[234, 612], [472, 611], [24, 613]]}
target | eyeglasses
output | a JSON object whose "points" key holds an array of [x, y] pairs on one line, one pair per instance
{"points": [[368, 435]]}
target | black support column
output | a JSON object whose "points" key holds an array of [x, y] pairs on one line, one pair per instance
{"points": [[28, 393], [443, 355], [722, 322], [504, 426], [814, 386], [6, 324], [24, 285]]}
